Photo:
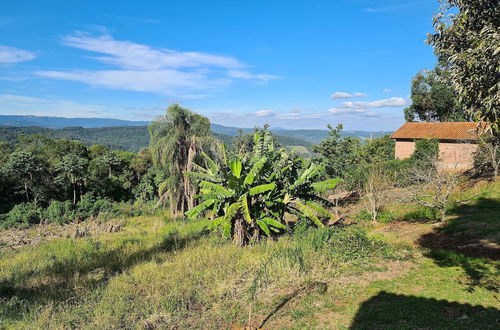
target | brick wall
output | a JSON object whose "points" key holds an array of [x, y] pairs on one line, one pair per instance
{"points": [[404, 149], [456, 156], [453, 156]]}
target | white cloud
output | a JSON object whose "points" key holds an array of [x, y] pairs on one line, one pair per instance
{"points": [[129, 55], [360, 107], [359, 119], [264, 113], [166, 81], [14, 55], [387, 90], [344, 95], [390, 102], [248, 75], [27, 105], [143, 68], [346, 111]]}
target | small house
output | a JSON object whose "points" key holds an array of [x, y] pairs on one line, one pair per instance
{"points": [[458, 141]]}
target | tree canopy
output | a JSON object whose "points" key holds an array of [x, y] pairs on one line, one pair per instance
{"points": [[434, 98], [467, 35]]}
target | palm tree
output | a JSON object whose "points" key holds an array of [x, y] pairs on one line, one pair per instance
{"points": [[176, 138]]}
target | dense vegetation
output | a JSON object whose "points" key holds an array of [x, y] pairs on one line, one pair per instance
{"points": [[46, 180], [127, 138]]}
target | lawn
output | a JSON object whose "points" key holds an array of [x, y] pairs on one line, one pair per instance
{"points": [[157, 272]]}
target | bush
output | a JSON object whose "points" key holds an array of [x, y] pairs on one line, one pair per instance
{"points": [[22, 215], [60, 212], [345, 244], [91, 206]]}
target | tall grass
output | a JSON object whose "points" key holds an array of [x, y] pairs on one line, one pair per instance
{"points": [[165, 273]]}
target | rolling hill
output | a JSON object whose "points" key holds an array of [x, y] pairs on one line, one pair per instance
{"points": [[310, 135], [127, 138]]}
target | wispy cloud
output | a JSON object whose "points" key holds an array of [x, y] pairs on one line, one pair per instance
{"points": [[14, 55], [308, 119], [248, 75], [344, 95], [387, 90], [134, 19], [143, 68], [359, 107], [27, 105]]}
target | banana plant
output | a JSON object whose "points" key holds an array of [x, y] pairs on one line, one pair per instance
{"points": [[250, 194]]}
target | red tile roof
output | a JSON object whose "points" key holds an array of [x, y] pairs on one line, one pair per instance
{"points": [[441, 131]]}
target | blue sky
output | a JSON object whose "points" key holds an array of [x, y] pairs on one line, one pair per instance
{"points": [[293, 64]]}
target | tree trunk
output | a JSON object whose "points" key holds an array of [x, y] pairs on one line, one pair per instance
{"points": [[26, 191], [74, 192], [239, 232]]}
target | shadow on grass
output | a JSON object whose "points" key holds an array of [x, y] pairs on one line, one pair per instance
{"points": [[470, 240], [392, 311], [60, 285]]}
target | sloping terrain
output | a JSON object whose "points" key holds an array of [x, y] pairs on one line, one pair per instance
{"points": [[155, 272]]}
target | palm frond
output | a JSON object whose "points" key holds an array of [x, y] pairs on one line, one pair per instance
{"points": [[236, 167], [254, 171], [214, 168], [309, 213], [217, 188], [320, 209], [261, 188], [197, 210], [245, 209], [263, 226], [325, 185], [201, 176], [273, 222]]}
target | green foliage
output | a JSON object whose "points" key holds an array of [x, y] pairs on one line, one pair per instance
{"points": [[433, 98], [22, 215], [426, 153], [338, 155], [252, 195], [49, 172], [60, 212], [177, 139], [467, 35]]}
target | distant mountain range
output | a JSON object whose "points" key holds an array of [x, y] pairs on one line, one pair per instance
{"points": [[309, 135]]}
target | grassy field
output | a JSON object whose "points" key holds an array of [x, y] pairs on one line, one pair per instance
{"points": [[156, 272]]}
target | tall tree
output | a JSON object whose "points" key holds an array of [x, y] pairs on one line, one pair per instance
{"points": [[434, 98], [74, 169], [26, 168], [467, 35], [175, 140], [339, 155]]}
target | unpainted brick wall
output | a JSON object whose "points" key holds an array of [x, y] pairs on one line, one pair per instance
{"points": [[454, 156], [404, 149]]}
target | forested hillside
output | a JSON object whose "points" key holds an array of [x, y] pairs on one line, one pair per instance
{"points": [[314, 136], [129, 138]]}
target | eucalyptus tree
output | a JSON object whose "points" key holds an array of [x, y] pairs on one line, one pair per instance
{"points": [[26, 168], [434, 98], [467, 35], [74, 169], [250, 194], [176, 138]]}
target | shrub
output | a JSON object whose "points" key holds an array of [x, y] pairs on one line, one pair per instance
{"points": [[22, 215], [344, 244], [60, 212]]}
